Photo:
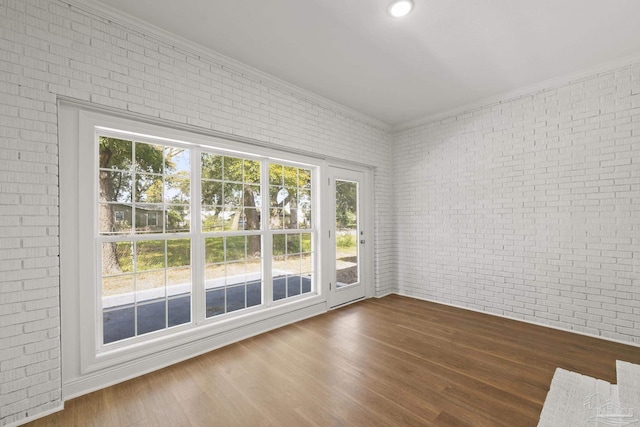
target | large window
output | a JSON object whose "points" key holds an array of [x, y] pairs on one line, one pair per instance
{"points": [[188, 234], [143, 206], [231, 223]]}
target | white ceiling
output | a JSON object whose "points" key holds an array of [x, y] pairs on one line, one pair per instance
{"points": [[446, 54]]}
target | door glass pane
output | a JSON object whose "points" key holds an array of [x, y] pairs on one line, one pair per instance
{"points": [[347, 263]]}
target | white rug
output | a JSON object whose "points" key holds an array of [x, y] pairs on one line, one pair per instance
{"points": [[582, 401], [628, 376]]}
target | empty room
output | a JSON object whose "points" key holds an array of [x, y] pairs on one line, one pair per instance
{"points": [[319, 213]]}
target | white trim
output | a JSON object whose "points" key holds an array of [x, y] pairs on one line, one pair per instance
{"points": [[369, 232], [521, 92], [132, 23], [103, 11], [105, 355], [544, 325], [85, 362], [154, 346], [257, 146], [344, 304], [207, 342], [69, 242], [386, 294], [198, 293], [338, 297], [39, 415], [88, 261]]}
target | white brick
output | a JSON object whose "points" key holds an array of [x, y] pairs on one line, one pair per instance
{"points": [[568, 196], [483, 211], [50, 50]]}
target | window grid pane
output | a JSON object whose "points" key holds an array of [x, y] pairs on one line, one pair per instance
{"points": [[143, 188], [230, 199], [289, 197], [233, 274], [291, 265], [290, 206], [145, 191], [146, 286]]}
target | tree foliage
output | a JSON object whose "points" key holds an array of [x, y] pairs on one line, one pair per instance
{"points": [[131, 172], [346, 204]]}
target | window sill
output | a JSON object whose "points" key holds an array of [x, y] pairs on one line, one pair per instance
{"points": [[119, 365], [208, 329]]}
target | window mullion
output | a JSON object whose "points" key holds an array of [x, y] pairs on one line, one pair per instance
{"points": [[267, 239], [136, 294], [198, 302]]}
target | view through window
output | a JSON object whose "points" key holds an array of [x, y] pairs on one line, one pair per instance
{"points": [[166, 209]]}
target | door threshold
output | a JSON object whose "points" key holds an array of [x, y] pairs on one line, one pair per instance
{"points": [[347, 303]]}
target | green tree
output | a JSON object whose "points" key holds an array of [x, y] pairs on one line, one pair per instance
{"points": [[346, 204], [232, 183], [117, 184], [287, 186]]}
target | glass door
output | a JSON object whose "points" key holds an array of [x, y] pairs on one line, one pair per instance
{"points": [[347, 237]]}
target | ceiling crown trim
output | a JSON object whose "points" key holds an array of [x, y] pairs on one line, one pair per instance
{"points": [[116, 16], [529, 90]]}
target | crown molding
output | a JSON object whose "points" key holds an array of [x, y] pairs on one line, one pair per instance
{"points": [[523, 91], [100, 10], [116, 16]]}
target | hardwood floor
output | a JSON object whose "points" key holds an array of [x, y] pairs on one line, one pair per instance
{"points": [[393, 361]]}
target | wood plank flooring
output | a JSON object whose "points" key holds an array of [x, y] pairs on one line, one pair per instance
{"points": [[394, 361]]}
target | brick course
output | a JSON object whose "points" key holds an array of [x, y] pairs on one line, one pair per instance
{"points": [[529, 207], [526, 208], [50, 49]]}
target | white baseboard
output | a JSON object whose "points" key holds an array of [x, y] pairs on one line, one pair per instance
{"points": [[630, 343], [386, 294], [36, 417]]}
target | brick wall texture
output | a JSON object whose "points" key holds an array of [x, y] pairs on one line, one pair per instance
{"points": [[526, 208], [49, 49]]}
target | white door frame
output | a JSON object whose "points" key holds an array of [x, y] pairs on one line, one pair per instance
{"points": [[338, 297]]}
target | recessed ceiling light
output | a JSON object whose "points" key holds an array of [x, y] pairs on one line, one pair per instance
{"points": [[400, 8]]}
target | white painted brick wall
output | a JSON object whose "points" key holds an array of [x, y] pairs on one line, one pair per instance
{"points": [[528, 208], [50, 49]]}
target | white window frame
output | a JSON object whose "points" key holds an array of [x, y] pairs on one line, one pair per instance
{"points": [[99, 130], [96, 357]]}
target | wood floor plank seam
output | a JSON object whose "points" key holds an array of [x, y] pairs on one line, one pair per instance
{"points": [[393, 361], [427, 360]]}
